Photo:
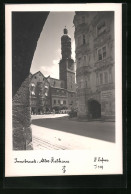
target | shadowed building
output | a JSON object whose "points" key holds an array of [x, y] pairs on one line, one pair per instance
{"points": [[94, 38]]}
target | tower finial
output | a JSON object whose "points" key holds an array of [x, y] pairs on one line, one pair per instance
{"points": [[65, 30]]}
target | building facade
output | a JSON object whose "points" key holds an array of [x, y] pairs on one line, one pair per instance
{"points": [[58, 94], [50, 93], [95, 71], [39, 89]]}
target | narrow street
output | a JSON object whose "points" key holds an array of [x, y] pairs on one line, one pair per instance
{"points": [[57, 132]]}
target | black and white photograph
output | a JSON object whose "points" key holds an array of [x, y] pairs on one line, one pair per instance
{"points": [[63, 74]]}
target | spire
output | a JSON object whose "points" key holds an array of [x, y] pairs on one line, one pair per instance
{"points": [[65, 30]]}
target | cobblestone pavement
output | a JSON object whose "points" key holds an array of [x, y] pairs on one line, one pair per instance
{"points": [[44, 144], [57, 132]]}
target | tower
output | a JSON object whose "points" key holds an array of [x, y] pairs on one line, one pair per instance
{"points": [[66, 64]]}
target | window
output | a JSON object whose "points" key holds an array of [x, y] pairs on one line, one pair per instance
{"points": [[97, 79], [58, 101], [99, 54], [102, 53], [88, 81], [84, 39], [101, 28], [33, 93], [101, 78], [54, 101], [106, 77], [32, 89], [86, 84], [89, 58], [64, 102], [79, 61], [61, 101], [32, 85], [46, 87], [82, 83]]}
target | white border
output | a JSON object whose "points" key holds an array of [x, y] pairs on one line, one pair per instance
{"points": [[78, 165]]}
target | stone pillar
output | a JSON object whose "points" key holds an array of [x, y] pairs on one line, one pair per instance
{"points": [[82, 105], [22, 135]]}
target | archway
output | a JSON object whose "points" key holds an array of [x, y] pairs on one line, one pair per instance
{"points": [[94, 109], [26, 29]]}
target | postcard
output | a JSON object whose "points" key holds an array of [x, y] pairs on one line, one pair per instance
{"points": [[63, 66]]}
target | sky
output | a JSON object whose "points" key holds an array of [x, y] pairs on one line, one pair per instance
{"points": [[48, 51]]}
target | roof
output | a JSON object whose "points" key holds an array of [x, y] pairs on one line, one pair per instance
{"points": [[58, 88], [37, 73], [55, 79]]}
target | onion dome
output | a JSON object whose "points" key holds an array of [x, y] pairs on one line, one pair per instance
{"points": [[65, 36], [65, 30]]}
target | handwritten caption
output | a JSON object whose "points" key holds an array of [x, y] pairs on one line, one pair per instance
{"points": [[99, 162], [44, 160]]}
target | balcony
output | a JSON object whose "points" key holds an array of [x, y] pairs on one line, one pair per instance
{"points": [[102, 64], [108, 86]]}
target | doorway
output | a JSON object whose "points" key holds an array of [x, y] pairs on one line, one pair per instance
{"points": [[94, 109]]}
